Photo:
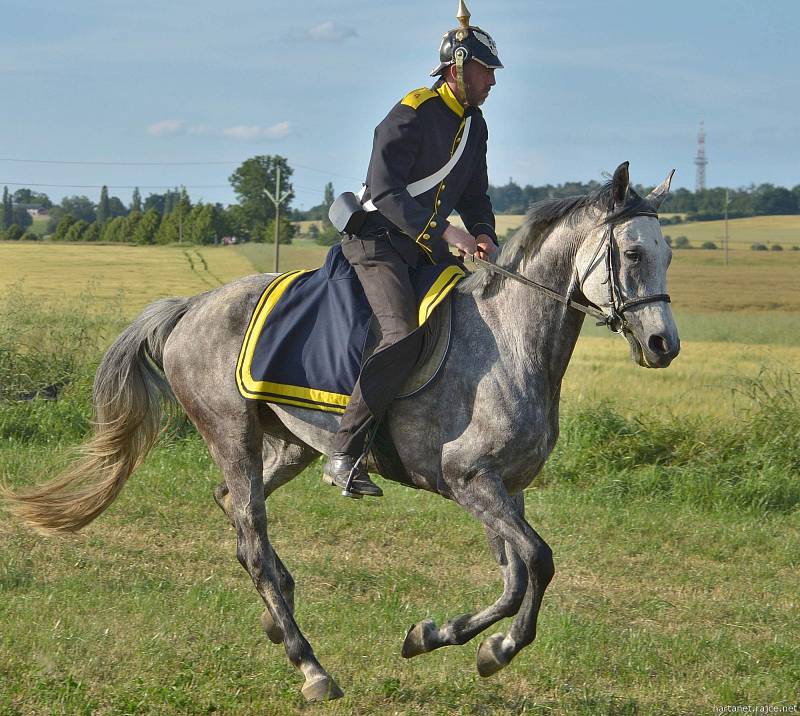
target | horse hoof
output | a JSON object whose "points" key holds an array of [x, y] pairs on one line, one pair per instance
{"points": [[419, 639], [323, 688], [490, 655], [274, 632]]}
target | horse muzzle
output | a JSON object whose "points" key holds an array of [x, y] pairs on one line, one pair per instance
{"points": [[658, 352]]}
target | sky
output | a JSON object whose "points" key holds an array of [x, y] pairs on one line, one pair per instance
{"points": [[153, 94]]}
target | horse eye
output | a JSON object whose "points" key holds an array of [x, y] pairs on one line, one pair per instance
{"points": [[632, 255]]}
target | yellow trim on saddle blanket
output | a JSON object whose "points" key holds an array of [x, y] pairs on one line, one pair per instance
{"points": [[301, 396]]}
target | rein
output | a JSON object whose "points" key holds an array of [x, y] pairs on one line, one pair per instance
{"points": [[615, 321]]}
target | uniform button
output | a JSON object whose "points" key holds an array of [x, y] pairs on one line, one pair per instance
{"points": [[433, 224], [443, 186], [426, 236], [438, 202]]}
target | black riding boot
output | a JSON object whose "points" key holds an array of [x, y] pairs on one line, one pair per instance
{"points": [[337, 472]]}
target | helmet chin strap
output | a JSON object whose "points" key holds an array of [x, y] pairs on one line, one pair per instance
{"points": [[460, 54]]}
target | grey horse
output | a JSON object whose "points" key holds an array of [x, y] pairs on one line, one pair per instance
{"points": [[500, 384]]}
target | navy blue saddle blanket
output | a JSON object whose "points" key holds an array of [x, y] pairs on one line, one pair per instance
{"points": [[306, 339]]}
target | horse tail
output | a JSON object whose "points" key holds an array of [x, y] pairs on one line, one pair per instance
{"points": [[127, 398]]}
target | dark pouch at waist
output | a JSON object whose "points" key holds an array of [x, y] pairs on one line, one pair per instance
{"points": [[347, 214]]}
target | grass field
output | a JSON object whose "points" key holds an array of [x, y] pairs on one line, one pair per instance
{"points": [[656, 608], [671, 503]]}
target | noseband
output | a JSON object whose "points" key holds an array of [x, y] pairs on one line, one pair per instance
{"points": [[617, 303]]}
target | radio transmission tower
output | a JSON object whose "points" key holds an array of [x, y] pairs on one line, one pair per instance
{"points": [[700, 161]]}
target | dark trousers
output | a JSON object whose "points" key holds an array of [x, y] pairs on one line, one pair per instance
{"points": [[384, 276]]}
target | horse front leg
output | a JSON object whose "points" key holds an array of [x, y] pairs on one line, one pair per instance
{"points": [[426, 636], [487, 499]]}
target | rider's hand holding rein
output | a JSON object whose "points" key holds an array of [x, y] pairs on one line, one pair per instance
{"points": [[467, 245]]}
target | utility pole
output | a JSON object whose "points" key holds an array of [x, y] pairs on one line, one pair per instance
{"points": [[277, 201], [726, 227]]}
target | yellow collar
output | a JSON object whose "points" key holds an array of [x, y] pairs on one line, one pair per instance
{"points": [[450, 99]]}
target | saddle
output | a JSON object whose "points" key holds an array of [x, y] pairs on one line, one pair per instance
{"points": [[311, 333]]}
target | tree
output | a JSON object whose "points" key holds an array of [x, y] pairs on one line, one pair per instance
{"points": [[64, 224], [116, 207], [146, 229], [202, 224], [8, 211], [92, 232], [328, 236], [329, 195], [250, 181], [113, 230], [76, 231], [79, 207], [136, 200], [235, 222], [27, 196], [103, 209], [154, 202], [21, 217], [129, 226], [774, 200], [286, 231], [13, 233]]}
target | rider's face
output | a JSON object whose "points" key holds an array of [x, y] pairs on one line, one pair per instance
{"points": [[479, 81]]}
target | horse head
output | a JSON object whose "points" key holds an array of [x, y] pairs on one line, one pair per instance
{"points": [[621, 267]]}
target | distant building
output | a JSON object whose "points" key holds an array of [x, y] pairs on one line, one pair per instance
{"points": [[35, 210]]}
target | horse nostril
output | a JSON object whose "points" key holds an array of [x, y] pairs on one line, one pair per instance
{"points": [[658, 344]]}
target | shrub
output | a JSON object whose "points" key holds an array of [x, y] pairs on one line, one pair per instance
{"points": [[795, 248], [13, 233], [776, 247], [758, 247], [30, 236], [328, 236], [709, 245], [47, 350], [668, 239], [752, 464], [682, 242]]}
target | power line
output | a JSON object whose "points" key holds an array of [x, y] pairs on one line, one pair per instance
{"points": [[137, 186], [160, 164]]}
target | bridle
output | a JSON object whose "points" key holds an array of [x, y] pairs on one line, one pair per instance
{"points": [[615, 319]]}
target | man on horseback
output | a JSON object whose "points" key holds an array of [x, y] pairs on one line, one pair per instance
{"points": [[428, 159]]}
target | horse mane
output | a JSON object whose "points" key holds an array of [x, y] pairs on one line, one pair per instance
{"points": [[545, 215]]}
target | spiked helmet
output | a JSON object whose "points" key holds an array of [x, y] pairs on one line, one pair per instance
{"points": [[465, 43]]}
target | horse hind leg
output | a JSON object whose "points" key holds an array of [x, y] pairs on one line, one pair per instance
{"points": [[426, 636], [284, 458], [241, 463]]}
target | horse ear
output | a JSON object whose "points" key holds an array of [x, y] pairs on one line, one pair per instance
{"points": [[657, 196], [619, 185]]}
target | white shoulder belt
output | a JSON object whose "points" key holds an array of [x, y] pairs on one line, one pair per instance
{"points": [[423, 185]]}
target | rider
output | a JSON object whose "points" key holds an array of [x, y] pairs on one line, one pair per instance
{"points": [[416, 140]]}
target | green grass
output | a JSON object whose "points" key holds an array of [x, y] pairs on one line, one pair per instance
{"points": [[676, 535], [657, 607]]}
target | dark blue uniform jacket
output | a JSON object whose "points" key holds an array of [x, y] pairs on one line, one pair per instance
{"points": [[414, 141]]}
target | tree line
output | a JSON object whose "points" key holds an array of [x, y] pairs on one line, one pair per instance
{"points": [[706, 205], [170, 217], [161, 218]]}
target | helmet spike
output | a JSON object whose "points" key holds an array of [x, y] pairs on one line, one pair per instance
{"points": [[463, 14]]}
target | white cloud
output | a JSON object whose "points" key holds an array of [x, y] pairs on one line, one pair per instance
{"points": [[331, 31], [254, 132], [166, 128], [328, 31], [241, 132]]}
